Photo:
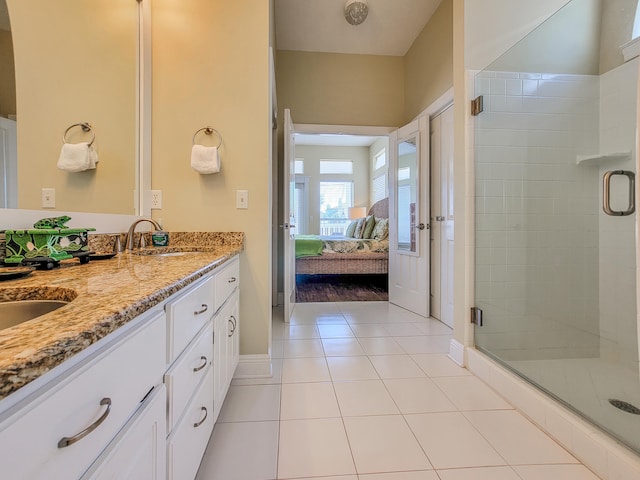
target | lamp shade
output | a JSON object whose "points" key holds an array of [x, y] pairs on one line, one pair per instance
{"points": [[357, 212]]}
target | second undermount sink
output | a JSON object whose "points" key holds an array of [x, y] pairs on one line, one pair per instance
{"points": [[19, 311]]}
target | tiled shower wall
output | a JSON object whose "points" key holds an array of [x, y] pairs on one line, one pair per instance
{"points": [[537, 238]]}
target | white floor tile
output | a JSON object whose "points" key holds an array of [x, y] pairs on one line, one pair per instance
{"points": [[396, 366], [312, 448], [364, 397], [418, 395], [546, 472], [340, 347], [251, 403], [384, 444], [334, 331], [305, 370], [310, 347], [277, 348], [226, 455], [366, 330], [381, 346], [300, 331], [533, 446], [456, 444], [308, 400], [433, 327], [402, 330], [471, 393], [423, 475], [425, 343], [341, 477], [483, 473], [439, 365], [351, 368]]}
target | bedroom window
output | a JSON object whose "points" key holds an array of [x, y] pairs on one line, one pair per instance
{"points": [[336, 167], [379, 187], [335, 200], [299, 166], [380, 160]]}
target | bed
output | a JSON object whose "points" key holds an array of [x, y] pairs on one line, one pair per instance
{"points": [[348, 256]]}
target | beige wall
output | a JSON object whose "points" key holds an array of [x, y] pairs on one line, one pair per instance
{"points": [[210, 67], [338, 89], [7, 75], [429, 62], [312, 156], [76, 62]]}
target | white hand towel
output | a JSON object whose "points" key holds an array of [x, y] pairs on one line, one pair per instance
{"points": [[205, 159], [93, 157], [76, 157]]}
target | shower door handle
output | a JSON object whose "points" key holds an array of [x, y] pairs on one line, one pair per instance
{"points": [[606, 193]]}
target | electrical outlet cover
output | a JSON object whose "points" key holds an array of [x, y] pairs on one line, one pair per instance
{"points": [[156, 199]]}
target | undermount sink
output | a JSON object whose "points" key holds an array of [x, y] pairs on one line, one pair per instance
{"points": [[19, 311]]}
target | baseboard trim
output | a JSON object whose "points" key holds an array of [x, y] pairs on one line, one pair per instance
{"points": [[253, 366], [595, 449], [456, 352]]}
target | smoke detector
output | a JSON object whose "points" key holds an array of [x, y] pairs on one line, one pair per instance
{"points": [[356, 11]]}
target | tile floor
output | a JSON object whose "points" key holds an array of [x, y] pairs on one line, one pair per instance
{"points": [[365, 391]]}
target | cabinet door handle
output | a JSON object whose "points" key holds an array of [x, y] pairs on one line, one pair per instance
{"points": [[202, 310], [197, 424], [232, 280], [235, 322], [233, 327], [66, 441], [204, 364]]}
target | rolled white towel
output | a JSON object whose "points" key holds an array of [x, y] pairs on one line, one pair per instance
{"points": [[205, 159], [77, 157]]}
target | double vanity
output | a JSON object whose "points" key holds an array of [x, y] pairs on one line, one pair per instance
{"points": [[127, 379]]}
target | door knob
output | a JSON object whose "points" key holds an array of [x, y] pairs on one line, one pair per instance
{"points": [[421, 226], [440, 218]]}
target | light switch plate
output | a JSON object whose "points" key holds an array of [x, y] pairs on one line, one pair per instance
{"points": [[242, 199], [48, 198]]}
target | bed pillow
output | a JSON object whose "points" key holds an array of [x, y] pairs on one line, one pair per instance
{"points": [[369, 224], [359, 228], [351, 229], [381, 230]]}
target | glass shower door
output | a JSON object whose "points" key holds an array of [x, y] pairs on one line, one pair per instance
{"points": [[555, 272]]}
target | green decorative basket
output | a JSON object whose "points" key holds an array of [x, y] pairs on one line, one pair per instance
{"points": [[45, 243]]}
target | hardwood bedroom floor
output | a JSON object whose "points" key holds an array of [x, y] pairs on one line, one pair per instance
{"points": [[341, 288]]}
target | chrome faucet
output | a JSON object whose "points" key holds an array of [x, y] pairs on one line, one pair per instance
{"points": [[128, 241]]}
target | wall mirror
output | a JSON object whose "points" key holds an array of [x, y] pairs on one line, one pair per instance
{"points": [[73, 61], [407, 184]]}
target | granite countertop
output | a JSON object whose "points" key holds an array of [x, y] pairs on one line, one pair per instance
{"points": [[103, 295]]}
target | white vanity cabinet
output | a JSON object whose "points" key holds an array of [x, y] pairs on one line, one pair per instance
{"points": [[226, 350], [63, 426]]}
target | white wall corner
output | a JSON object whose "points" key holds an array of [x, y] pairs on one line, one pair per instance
{"points": [[253, 366], [631, 49], [456, 352]]}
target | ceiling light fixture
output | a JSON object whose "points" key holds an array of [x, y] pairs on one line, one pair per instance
{"points": [[356, 11]]}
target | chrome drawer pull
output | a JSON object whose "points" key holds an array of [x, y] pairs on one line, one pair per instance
{"points": [[197, 369], [204, 309], [196, 425], [66, 441], [235, 322], [232, 279], [233, 328]]}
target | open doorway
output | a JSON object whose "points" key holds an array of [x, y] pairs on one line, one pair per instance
{"points": [[340, 199]]}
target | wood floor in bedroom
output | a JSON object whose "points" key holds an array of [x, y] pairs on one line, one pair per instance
{"points": [[341, 288]]}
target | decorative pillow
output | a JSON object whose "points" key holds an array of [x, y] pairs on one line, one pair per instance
{"points": [[359, 228], [369, 223], [351, 229], [381, 230]]}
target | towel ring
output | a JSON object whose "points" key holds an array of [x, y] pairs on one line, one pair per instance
{"points": [[86, 127], [208, 131]]}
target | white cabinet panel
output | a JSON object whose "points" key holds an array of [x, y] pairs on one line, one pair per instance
{"points": [[227, 279]]}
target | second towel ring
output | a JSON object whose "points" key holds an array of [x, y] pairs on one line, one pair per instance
{"points": [[208, 131], [86, 127]]}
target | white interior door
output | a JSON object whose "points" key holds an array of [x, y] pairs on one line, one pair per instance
{"points": [[8, 163], [409, 273], [441, 127], [289, 226]]}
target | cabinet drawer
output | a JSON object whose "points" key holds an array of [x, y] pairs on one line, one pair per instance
{"points": [[187, 314], [139, 450], [109, 387], [186, 373], [187, 443], [227, 280]]}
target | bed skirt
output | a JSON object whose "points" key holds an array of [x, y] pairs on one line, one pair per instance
{"points": [[343, 264]]}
